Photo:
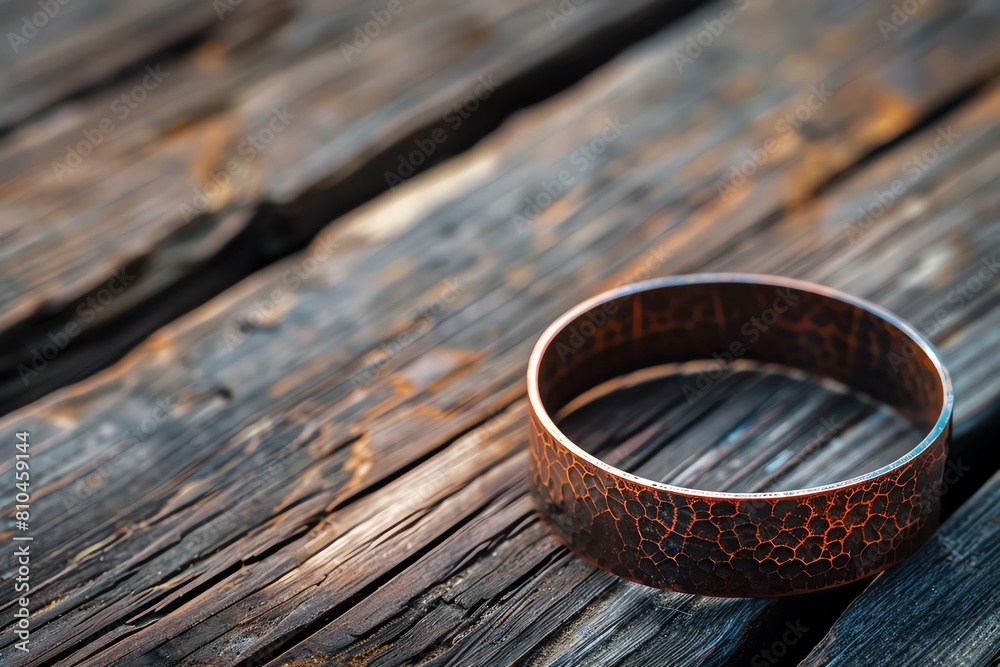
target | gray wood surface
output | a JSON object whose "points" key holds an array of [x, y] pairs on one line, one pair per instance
{"points": [[333, 460], [196, 166], [940, 607]]}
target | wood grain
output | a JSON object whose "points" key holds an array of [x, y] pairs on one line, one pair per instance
{"points": [[196, 166], [53, 50], [954, 576], [333, 460], [573, 614]]}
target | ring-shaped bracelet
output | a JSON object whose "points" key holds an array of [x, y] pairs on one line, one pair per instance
{"points": [[738, 544]]}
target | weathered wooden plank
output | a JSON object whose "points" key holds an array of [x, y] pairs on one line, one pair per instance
{"points": [[240, 148], [520, 597], [54, 49], [590, 618], [296, 443], [910, 613]]}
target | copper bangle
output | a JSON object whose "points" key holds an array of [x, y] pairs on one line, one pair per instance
{"points": [[738, 544]]}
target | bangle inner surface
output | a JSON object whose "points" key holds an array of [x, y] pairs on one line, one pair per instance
{"points": [[732, 324]]}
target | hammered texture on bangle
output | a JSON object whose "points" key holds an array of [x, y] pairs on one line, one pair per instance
{"points": [[733, 547], [738, 544]]}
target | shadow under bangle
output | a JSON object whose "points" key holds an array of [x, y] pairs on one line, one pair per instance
{"points": [[738, 544]]}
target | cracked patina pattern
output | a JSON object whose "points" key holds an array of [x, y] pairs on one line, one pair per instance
{"points": [[737, 544]]}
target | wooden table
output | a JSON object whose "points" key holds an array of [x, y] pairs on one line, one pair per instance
{"points": [[269, 335]]}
